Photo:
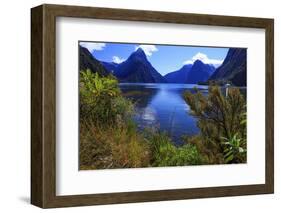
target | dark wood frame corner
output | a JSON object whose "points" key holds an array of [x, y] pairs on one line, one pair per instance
{"points": [[43, 105]]}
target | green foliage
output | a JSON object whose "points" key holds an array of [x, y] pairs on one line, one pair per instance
{"points": [[218, 117], [101, 100], [234, 151], [165, 153], [123, 109], [94, 86]]}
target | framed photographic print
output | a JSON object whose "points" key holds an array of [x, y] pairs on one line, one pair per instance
{"points": [[137, 106]]}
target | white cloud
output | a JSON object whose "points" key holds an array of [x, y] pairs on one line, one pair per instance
{"points": [[204, 58], [117, 60], [91, 46], [148, 49]]}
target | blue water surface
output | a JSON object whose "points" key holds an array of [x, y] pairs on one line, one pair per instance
{"points": [[162, 106]]}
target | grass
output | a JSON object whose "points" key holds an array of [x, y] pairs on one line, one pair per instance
{"points": [[165, 153], [112, 147], [125, 147]]}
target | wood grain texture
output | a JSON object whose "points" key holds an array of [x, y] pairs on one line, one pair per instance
{"points": [[36, 106], [43, 105], [269, 106]]}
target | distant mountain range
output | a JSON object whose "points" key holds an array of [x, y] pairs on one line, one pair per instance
{"points": [[137, 69], [191, 73], [179, 76], [199, 72]]}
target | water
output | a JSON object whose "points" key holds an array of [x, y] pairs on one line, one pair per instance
{"points": [[162, 106]]}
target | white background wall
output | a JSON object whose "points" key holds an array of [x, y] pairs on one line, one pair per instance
{"points": [[15, 105]]}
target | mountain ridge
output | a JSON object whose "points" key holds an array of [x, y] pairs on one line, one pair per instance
{"points": [[178, 76], [233, 68], [110, 66], [191, 73], [88, 61], [138, 69], [199, 72]]}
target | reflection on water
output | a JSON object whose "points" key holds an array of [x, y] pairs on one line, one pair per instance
{"points": [[162, 106]]}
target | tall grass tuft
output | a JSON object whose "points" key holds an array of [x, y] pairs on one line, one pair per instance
{"points": [[165, 153], [112, 148]]}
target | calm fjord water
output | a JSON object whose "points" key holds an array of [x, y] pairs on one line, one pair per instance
{"points": [[162, 106]]}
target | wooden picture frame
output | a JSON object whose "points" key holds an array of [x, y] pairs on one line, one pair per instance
{"points": [[43, 105]]}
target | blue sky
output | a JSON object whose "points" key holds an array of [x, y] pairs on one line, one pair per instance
{"points": [[164, 58]]}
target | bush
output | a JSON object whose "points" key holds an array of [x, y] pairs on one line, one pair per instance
{"points": [[123, 109], [96, 97], [101, 100], [219, 118]]}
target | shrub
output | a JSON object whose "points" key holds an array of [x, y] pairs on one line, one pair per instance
{"points": [[123, 109], [96, 97], [101, 100], [218, 117]]}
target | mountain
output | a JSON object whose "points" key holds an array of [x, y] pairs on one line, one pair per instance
{"points": [[199, 72], [110, 66], [233, 68], [87, 61], [138, 69], [191, 73], [179, 76]]}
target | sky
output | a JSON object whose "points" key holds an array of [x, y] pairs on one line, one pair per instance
{"points": [[164, 58]]}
